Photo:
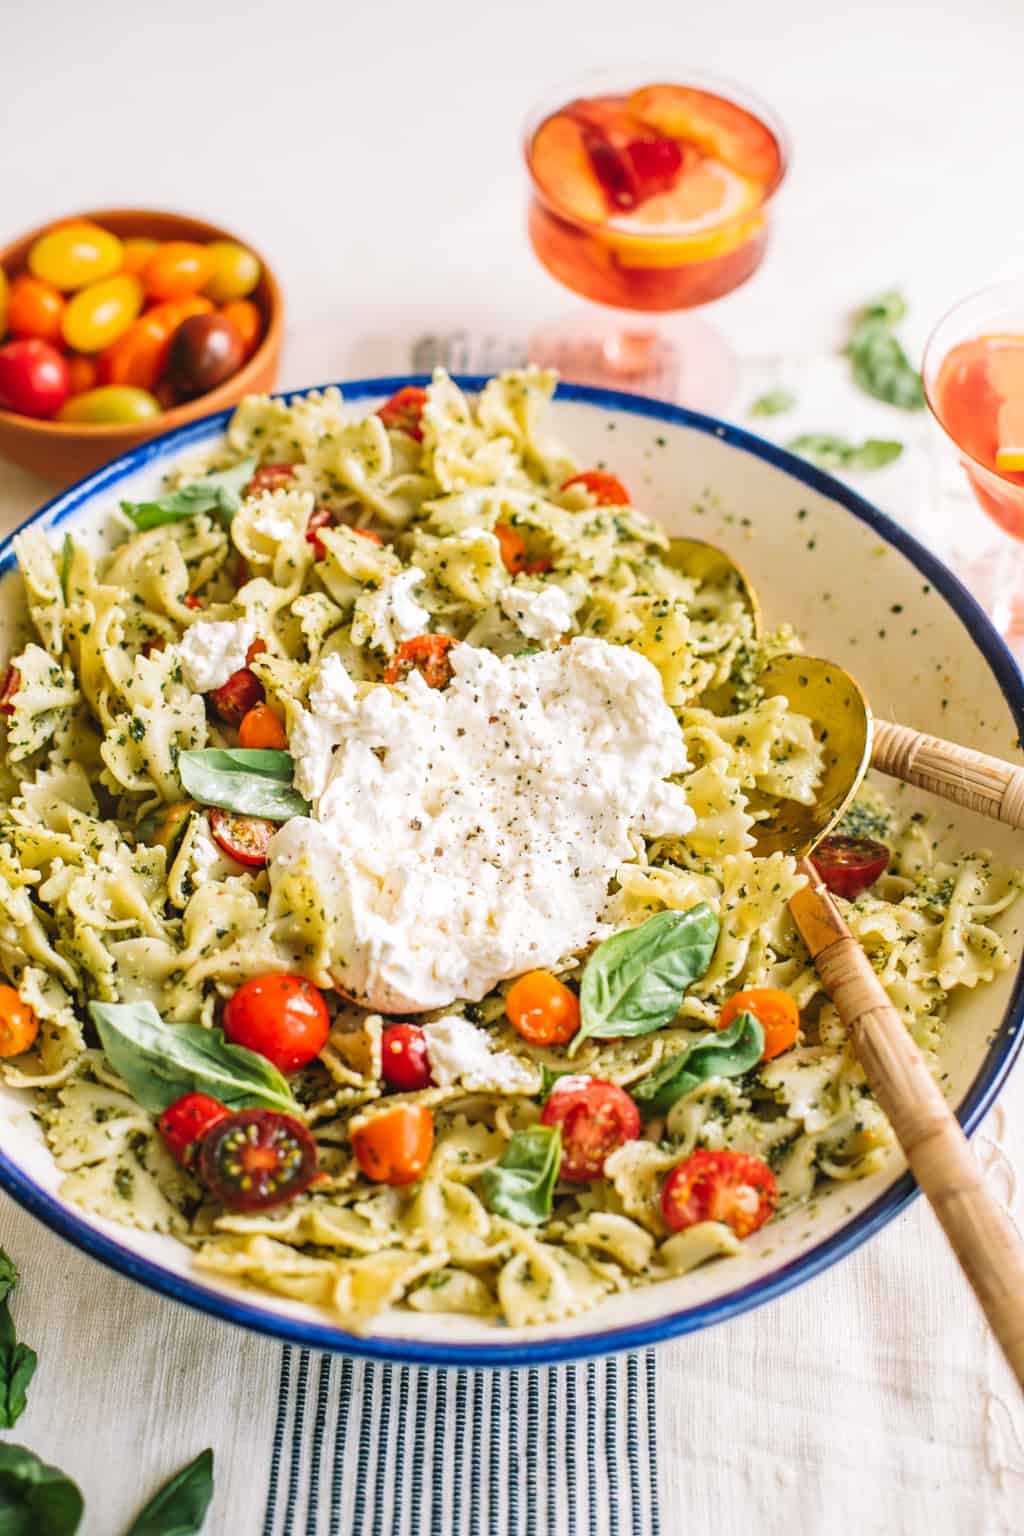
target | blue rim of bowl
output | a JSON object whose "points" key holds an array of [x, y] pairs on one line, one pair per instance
{"points": [[1000, 1058]]}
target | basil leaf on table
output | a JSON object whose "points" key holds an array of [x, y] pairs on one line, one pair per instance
{"points": [[634, 982], [521, 1184], [36, 1498], [250, 780], [880, 366], [726, 1053], [179, 1508], [17, 1361], [220, 492], [159, 1062], [839, 453], [774, 403]]}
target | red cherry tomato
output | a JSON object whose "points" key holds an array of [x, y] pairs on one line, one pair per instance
{"points": [[34, 308], [185, 1122], [33, 378], [403, 412], [281, 1017], [607, 490], [848, 865], [257, 1159], [730, 1187], [405, 1064], [428, 654], [596, 1118], [394, 1147], [270, 477], [191, 601], [233, 700], [245, 838], [10, 686], [320, 517]]}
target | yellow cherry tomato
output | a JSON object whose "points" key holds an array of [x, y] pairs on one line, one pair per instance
{"points": [[236, 271], [3, 303], [136, 252], [176, 269], [75, 254], [101, 313], [110, 402]]}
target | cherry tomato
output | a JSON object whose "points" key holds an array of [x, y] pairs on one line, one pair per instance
{"points": [[404, 1062], [191, 601], [402, 413], [10, 686], [204, 351], [176, 269], [730, 1187], [256, 1159], [110, 402], [428, 654], [513, 551], [233, 700], [607, 490], [136, 252], [543, 1009], [320, 517], [34, 308], [395, 1146], [261, 728], [234, 273], [33, 377], [245, 838], [101, 313], [184, 1123], [75, 254], [4, 295], [596, 1118], [18, 1023], [776, 1011], [281, 1017], [168, 827], [140, 355], [247, 319], [83, 373], [848, 865], [270, 477]]}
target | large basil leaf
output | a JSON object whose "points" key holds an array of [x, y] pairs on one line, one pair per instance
{"points": [[831, 452], [248, 780], [880, 365], [179, 1508], [520, 1185], [159, 1062], [34, 1497], [727, 1053], [220, 492], [634, 982], [17, 1361]]}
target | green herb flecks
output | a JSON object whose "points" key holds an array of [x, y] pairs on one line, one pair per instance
{"points": [[520, 1186], [880, 366], [249, 781], [727, 1053], [219, 493]]}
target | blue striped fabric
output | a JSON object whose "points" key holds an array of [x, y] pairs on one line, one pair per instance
{"points": [[362, 1449]]}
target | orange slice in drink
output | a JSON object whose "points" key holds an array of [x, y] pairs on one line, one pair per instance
{"points": [[720, 128], [702, 217], [1006, 366], [1010, 450]]}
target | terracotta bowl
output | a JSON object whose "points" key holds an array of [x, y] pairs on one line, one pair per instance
{"points": [[65, 451]]}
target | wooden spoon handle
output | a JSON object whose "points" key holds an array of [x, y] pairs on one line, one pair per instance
{"points": [[982, 783], [979, 1231]]}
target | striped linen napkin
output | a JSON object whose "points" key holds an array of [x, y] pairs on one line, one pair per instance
{"points": [[367, 1449]]}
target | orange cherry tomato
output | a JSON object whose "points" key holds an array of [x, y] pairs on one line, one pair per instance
{"points": [[260, 728], [247, 319], [607, 490], [403, 411], [776, 1011], [34, 308], [731, 1187], [96, 316], [18, 1023], [513, 551], [543, 1009], [83, 373], [428, 654], [281, 1017], [395, 1147], [140, 355], [176, 269], [136, 253]]}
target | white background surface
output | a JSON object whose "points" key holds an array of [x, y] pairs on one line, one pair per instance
{"points": [[372, 152]]}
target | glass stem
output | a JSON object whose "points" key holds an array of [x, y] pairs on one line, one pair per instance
{"points": [[632, 351]]}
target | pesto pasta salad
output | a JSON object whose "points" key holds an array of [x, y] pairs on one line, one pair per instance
{"points": [[379, 913]]}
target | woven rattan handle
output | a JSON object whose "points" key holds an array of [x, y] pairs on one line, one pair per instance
{"points": [[979, 1231], [973, 779]]}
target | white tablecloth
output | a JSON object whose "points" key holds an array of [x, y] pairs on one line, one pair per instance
{"points": [[372, 151]]}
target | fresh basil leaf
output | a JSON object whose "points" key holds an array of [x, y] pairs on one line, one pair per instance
{"points": [[889, 308], [8, 1274], [17, 1361], [67, 551], [179, 1508], [36, 1498], [549, 1077], [725, 1053], [520, 1186], [220, 492], [159, 1062], [774, 403], [838, 453], [249, 780], [880, 366], [634, 982]]}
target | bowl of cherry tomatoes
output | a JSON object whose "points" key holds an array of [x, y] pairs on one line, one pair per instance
{"points": [[119, 324]]}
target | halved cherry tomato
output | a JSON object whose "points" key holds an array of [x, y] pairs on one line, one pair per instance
{"points": [[260, 728], [776, 1012], [543, 1009], [184, 1123], [270, 477], [245, 838], [281, 1017], [428, 654], [403, 412], [404, 1062], [596, 1117], [394, 1147], [256, 1159], [176, 269], [33, 377], [848, 865], [10, 686], [320, 517], [18, 1023], [512, 546], [731, 1187], [607, 490], [35, 308], [247, 319], [83, 373], [233, 700], [256, 648]]}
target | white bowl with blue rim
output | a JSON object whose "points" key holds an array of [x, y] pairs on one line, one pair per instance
{"points": [[859, 590]]}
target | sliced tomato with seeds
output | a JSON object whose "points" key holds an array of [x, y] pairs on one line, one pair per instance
{"points": [[607, 490], [596, 1117], [279, 1016], [730, 1187], [245, 838], [428, 655], [184, 1123], [849, 865], [11, 684], [234, 699], [270, 477], [256, 1159], [403, 412], [404, 1062]]}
